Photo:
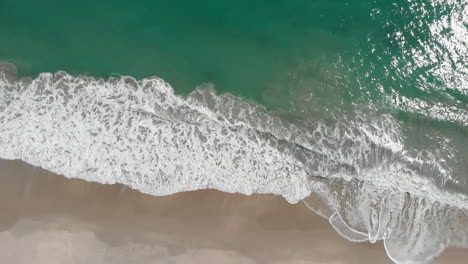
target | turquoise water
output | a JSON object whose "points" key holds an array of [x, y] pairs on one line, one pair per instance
{"points": [[299, 56], [319, 59], [338, 63], [257, 49]]}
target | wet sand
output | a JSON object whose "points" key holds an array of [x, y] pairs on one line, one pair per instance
{"points": [[46, 218]]}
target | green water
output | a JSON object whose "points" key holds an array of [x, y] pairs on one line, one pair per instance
{"points": [[301, 56], [256, 49], [297, 55], [310, 58]]}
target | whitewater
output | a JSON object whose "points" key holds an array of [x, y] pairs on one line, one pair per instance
{"points": [[358, 171]]}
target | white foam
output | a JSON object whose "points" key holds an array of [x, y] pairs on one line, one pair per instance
{"points": [[344, 230], [140, 134]]}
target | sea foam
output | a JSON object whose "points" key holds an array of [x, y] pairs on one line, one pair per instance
{"points": [[139, 133]]}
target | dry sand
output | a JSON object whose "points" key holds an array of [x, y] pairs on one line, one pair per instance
{"points": [[46, 218]]}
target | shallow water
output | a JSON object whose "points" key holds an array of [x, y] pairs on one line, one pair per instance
{"points": [[46, 218]]}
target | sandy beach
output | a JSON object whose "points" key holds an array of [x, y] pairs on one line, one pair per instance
{"points": [[46, 218]]}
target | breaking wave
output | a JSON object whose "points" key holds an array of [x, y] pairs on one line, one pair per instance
{"points": [[358, 172]]}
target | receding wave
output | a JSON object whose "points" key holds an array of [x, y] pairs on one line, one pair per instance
{"points": [[358, 171]]}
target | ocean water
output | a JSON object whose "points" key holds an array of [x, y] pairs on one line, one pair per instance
{"points": [[359, 108]]}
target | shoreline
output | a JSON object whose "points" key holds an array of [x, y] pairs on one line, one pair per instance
{"points": [[199, 226]]}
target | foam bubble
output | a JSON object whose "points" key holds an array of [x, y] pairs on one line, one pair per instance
{"points": [[141, 134], [8, 71]]}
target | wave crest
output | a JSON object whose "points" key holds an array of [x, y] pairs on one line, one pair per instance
{"points": [[140, 133]]}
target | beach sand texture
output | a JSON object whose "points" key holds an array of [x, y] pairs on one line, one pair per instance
{"points": [[46, 218]]}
